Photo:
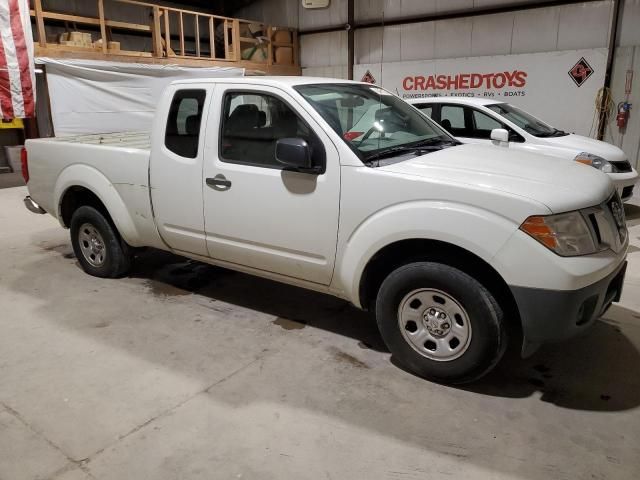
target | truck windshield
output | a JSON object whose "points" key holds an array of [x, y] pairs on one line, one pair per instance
{"points": [[527, 122], [373, 122]]}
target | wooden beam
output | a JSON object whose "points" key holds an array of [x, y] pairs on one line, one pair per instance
{"points": [[103, 28], [181, 33], [42, 35], [270, 45], [156, 33], [197, 39], [296, 47], [235, 35], [65, 17], [62, 51], [167, 33], [227, 50], [212, 39]]}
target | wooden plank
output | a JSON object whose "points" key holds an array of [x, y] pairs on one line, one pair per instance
{"points": [[181, 25], [269, 45], [237, 49], [249, 40], [103, 28], [296, 47], [65, 17], [167, 33], [197, 38], [127, 26], [227, 50], [42, 35], [212, 39], [60, 51], [156, 34]]}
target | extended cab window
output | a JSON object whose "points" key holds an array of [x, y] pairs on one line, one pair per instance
{"points": [[183, 124], [253, 122]]}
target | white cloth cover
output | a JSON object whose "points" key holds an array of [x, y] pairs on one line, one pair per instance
{"points": [[91, 96]]}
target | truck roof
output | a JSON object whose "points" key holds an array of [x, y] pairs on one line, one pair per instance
{"points": [[267, 80], [463, 100]]}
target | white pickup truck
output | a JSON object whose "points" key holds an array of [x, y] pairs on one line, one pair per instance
{"points": [[450, 245]]}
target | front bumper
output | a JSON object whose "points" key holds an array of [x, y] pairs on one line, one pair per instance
{"points": [[553, 315], [624, 183]]}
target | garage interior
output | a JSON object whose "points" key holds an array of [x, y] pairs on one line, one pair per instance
{"points": [[184, 370]]}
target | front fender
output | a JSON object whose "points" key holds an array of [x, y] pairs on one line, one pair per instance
{"points": [[81, 175], [478, 231]]}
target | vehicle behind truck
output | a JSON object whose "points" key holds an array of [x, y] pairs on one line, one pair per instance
{"points": [[343, 188]]}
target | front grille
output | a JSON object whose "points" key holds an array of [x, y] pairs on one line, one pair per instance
{"points": [[607, 224], [621, 167], [627, 192], [618, 221]]}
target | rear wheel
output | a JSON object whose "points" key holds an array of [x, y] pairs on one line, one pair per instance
{"points": [[440, 323], [97, 245]]}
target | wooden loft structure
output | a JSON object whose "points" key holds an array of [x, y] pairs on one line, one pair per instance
{"points": [[177, 36]]}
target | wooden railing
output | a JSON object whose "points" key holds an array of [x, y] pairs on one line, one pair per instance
{"points": [[210, 37]]}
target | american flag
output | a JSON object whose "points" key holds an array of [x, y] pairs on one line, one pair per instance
{"points": [[17, 73]]}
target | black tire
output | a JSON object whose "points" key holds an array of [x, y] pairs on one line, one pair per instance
{"points": [[484, 345], [117, 257]]}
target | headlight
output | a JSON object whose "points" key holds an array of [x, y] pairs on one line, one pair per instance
{"points": [[567, 234], [596, 162]]}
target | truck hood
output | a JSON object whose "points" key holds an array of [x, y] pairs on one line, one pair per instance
{"points": [[571, 145], [560, 186]]}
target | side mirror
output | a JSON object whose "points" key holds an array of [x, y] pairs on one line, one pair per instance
{"points": [[499, 136], [294, 154]]}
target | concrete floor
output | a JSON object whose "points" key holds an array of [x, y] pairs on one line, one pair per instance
{"points": [[193, 372]]}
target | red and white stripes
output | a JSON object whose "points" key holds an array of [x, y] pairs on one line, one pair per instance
{"points": [[17, 75]]}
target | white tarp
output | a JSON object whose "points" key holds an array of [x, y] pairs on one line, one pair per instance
{"points": [[558, 87], [90, 96]]}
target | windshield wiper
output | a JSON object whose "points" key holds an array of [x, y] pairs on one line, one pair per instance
{"points": [[554, 133], [431, 144]]}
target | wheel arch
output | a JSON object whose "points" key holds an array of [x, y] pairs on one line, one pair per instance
{"points": [[80, 185], [402, 252]]}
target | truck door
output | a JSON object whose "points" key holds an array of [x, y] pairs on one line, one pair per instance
{"points": [[176, 168], [256, 213]]}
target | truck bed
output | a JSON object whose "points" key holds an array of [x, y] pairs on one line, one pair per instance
{"points": [[114, 165], [140, 140]]}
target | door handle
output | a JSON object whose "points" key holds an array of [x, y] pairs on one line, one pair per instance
{"points": [[219, 182]]}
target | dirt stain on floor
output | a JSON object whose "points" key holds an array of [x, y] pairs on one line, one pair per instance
{"points": [[288, 324], [344, 357]]}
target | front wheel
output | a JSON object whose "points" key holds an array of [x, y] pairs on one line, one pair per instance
{"points": [[97, 245], [440, 323]]}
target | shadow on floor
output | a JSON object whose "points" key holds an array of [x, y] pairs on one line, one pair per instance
{"points": [[171, 275], [632, 213], [599, 371]]}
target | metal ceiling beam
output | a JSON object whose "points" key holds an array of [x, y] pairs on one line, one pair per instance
{"points": [[469, 12]]}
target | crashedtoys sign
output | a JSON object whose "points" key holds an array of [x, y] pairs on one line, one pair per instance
{"points": [[559, 87]]}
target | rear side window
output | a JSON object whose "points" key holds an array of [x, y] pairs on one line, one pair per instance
{"points": [[183, 124]]}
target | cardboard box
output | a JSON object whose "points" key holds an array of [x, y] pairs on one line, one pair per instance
{"points": [[284, 55], [113, 46], [282, 36]]}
